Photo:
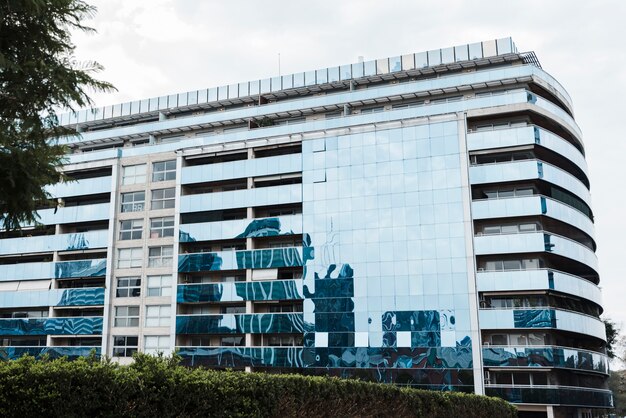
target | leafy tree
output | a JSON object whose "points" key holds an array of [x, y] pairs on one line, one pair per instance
{"points": [[612, 337], [38, 76]]}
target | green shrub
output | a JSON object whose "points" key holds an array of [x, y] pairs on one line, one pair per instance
{"points": [[159, 387]]}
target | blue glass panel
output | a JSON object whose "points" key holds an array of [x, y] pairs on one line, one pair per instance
{"points": [[570, 358], [80, 268], [52, 326], [534, 318], [82, 297], [213, 292], [241, 323], [566, 396], [14, 353]]}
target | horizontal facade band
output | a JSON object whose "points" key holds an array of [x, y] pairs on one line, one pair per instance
{"points": [[84, 296], [549, 318], [79, 325], [263, 196], [71, 352], [246, 259], [49, 243], [545, 357], [53, 270], [241, 228], [552, 395]]}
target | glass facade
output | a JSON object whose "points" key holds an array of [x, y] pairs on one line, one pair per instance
{"points": [[396, 232]]}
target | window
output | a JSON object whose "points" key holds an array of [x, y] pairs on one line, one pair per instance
{"points": [[162, 227], [159, 285], [160, 256], [163, 199], [126, 316], [232, 341], [158, 315], [125, 346], [134, 174], [133, 202], [131, 229], [164, 170], [233, 309], [129, 257], [154, 344], [128, 287]]}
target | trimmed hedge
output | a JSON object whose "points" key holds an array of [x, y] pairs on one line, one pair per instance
{"points": [[159, 387]]}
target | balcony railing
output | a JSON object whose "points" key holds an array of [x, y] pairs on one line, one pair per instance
{"points": [[552, 395]]}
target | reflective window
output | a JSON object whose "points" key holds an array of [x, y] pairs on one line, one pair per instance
{"points": [[126, 316], [154, 344], [158, 315], [162, 227], [164, 170], [163, 199], [160, 256], [131, 229], [160, 285], [134, 174], [129, 257], [125, 346], [133, 201], [128, 287]]}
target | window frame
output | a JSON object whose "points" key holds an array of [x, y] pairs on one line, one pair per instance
{"points": [[133, 205], [161, 287], [160, 260], [126, 346], [133, 232], [163, 200], [158, 348], [165, 173], [161, 320], [160, 227], [134, 261], [129, 287], [136, 177], [129, 320]]}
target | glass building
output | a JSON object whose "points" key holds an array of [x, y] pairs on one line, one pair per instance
{"points": [[420, 220]]}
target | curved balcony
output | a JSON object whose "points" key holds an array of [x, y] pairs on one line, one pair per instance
{"points": [[244, 168], [242, 291], [49, 243], [263, 196], [526, 135], [541, 279], [529, 170], [548, 318], [241, 228], [81, 187], [247, 259], [552, 395], [71, 352], [76, 325], [545, 357], [536, 205], [535, 242], [84, 296]]}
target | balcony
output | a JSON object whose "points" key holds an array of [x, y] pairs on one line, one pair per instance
{"points": [[71, 352], [242, 291], [242, 323], [241, 228], [264, 196], [527, 135], [552, 395], [548, 318], [535, 205], [237, 260], [535, 242], [240, 169], [74, 214], [81, 187], [93, 296], [545, 356], [51, 270], [51, 326], [49, 243], [540, 279]]}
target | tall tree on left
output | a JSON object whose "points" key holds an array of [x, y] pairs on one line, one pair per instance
{"points": [[38, 78]]}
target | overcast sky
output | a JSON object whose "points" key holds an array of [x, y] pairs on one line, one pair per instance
{"points": [[156, 47]]}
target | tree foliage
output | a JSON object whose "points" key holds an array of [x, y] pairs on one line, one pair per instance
{"points": [[159, 387], [38, 76], [612, 338]]}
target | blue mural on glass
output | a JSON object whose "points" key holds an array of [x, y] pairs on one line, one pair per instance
{"points": [[226, 292], [51, 326], [570, 358], [534, 318], [71, 352], [77, 241], [82, 297], [80, 268]]}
